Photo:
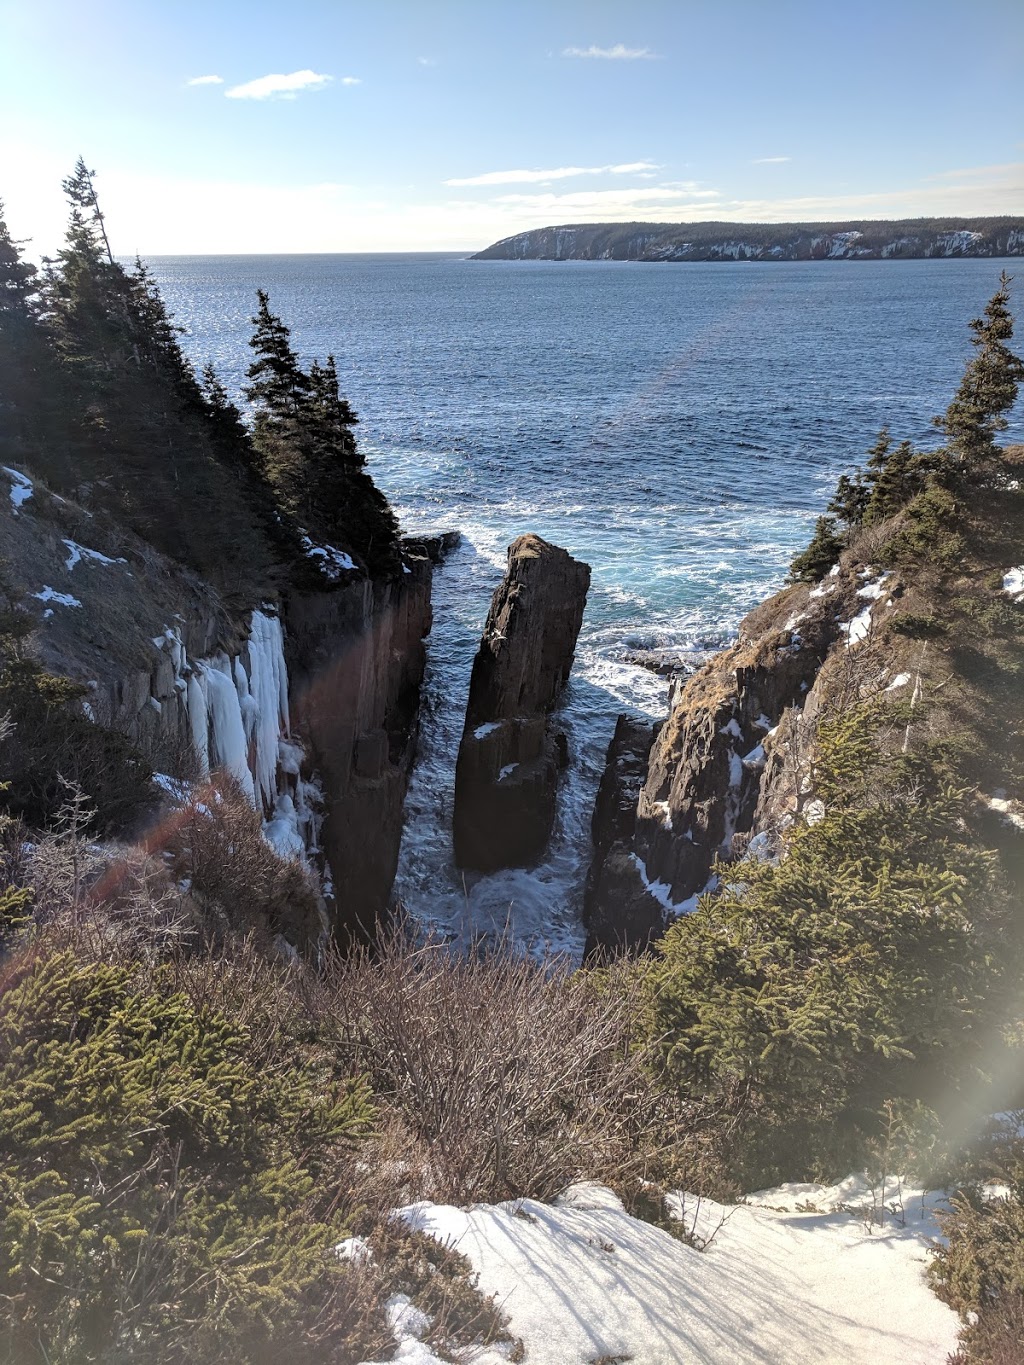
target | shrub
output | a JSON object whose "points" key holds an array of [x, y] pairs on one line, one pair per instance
{"points": [[979, 1272], [918, 625], [162, 1197], [239, 881], [928, 534], [859, 970], [511, 1080]]}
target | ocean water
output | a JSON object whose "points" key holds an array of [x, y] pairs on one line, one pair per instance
{"points": [[677, 427]]}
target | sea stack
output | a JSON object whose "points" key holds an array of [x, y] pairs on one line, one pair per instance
{"points": [[509, 759]]}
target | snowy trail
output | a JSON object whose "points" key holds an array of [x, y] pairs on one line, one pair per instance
{"points": [[582, 1280]]}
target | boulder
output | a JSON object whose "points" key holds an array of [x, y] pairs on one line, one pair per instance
{"points": [[506, 778]]}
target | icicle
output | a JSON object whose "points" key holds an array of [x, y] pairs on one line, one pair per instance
{"points": [[228, 746], [268, 681], [199, 723]]}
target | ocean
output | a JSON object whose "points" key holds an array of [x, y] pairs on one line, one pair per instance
{"points": [[678, 427]]}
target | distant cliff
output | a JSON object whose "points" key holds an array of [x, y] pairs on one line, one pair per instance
{"points": [[878, 240]]}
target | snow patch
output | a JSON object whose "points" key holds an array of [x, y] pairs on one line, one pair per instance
{"points": [[332, 561], [1011, 811], [900, 680], [63, 599], [21, 487], [583, 1281], [488, 727], [1013, 583], [77, 553]]}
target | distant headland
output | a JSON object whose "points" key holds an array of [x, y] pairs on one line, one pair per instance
{"points": [[880, 239]]}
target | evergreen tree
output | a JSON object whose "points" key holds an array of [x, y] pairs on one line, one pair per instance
{"points": [[155, 334], [18, 284], [895, 478], [223, 415], [850, 500], [86, 293], [29, 388], [988, 389], [302, 431], [329, 418], [278, 387], [81, 192], [824, 550]]}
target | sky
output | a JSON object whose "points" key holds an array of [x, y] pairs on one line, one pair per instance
{"points": [[236, 126]]}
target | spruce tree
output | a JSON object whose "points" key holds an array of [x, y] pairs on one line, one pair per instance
{"points": [[278, 387], [18, 280], [81, 192], [29, 386], [895, 478], [988, 389], [826, 546], [222, 415], [850, 500]]}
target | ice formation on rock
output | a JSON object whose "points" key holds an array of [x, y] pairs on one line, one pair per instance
{"points": [[239, 723]]}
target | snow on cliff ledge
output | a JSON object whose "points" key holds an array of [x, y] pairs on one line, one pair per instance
{"points": [[788, 1279]]}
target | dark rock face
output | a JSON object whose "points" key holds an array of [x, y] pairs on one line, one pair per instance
{"points": [[435, 548], [731, 761], [509, 759], [705, 771], [357, 658], [618, 914]]}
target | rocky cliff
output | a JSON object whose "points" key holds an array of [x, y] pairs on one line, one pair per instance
{"points": [[509, 758], [864, 240], [731, 767], [357, 658], [309, 702]]}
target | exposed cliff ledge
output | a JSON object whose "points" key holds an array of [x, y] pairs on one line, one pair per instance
{"points": [[509, 759], [862, 240]]}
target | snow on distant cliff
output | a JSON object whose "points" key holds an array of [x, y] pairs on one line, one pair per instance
{"points": [[868, 240]]}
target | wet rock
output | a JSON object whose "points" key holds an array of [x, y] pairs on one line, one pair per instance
{"points": [[436, 548], [616, 911], [509, 759]]}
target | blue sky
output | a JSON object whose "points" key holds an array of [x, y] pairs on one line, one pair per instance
{"points": [[445, 124]]}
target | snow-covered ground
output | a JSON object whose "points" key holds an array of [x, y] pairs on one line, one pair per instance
{"points": [[797, 1274]]}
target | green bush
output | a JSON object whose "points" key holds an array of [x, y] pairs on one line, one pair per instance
{"points": [[163, 1190], [928, 535], [859, 970], [49, 743], [980, 1274]]}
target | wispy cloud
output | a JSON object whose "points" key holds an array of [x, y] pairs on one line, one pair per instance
{"points": [[613, 203], [281, 86], [350, 80], [205, 80], [619, 53], [557, 173], [426, 61], [769, 160]]}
